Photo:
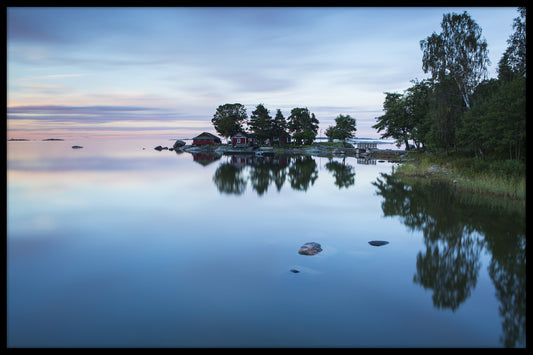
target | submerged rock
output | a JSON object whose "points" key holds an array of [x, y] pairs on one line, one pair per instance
{"points": [[77, 147], [310, 248], [378, 243], [160, 148], [294, 271]]}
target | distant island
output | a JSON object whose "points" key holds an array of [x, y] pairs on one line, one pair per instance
{"points": [[26, 140]]}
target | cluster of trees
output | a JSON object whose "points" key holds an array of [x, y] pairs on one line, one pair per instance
{"points": [[458, 107], [230, 119]]}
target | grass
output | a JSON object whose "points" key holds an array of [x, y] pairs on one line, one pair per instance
{"points": [[498, 178]]}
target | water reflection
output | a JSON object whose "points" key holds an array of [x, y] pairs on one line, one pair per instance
{"points": [[457, 229], [300, 172], [203, 158]]}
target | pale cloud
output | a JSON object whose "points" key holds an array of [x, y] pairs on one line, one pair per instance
{"points": [[180, 64]]}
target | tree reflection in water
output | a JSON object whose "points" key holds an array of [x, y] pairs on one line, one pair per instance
{"points": [[300, 172], [344, 174], [457, 228]]}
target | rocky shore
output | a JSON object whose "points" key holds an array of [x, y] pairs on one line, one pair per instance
{"points": [[316, 149]]}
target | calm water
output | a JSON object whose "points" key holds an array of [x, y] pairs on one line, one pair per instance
{"points": [[114, 245]]}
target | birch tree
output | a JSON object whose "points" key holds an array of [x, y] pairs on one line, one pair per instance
{"points": [[458, 52]]}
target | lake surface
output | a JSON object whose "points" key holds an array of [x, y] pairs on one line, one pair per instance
{"points": [[119, 245]]}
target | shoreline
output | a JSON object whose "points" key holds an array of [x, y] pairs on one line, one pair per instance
{"points": [[316, 149], [460, 173]]}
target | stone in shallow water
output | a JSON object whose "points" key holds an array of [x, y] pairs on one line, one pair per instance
{"points": [[378, 243], [294, 271], [310, 248]]}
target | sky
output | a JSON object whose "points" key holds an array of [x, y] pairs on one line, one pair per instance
{"points": [[143, 72]]}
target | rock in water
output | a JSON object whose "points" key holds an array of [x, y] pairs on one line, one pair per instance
{"points": [[378, 243], [77, 147], [310, 248], [178, 144]]}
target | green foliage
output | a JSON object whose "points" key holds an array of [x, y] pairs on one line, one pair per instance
{"points": [[303, 125], [445, 110], [305, 137], [513, 61], [344, 128], [279, 125], [229, 119], [457, 52], [260, 123], [395, 122], [417, 100]]}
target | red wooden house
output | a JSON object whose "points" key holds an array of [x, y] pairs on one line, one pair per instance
{"points": [[243, 140], [284, 138], [206, 138]]}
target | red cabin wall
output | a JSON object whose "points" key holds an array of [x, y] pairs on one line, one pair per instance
{"points": [[202, 141]]}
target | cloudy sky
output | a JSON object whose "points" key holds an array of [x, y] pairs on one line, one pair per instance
{"points": [[162, 72]]}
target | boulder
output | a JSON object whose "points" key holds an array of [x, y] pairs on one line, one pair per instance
{"points": [[378, 243], [178, 144], [310, 248], [160, 148], [77, 147]]}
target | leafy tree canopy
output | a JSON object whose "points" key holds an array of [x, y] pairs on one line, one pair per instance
{"points": [[229, 119], [344, 128], [513, 61], [458, 52]]}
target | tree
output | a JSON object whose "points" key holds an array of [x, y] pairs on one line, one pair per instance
{"points": [[502, 119], [395, 122], [417, 105], [261, 123], [303, 125], [344, 128], [229, 119], [469, 135], [513, 61], [457, 52], [304, 137], [279, 125], [445, 112]]}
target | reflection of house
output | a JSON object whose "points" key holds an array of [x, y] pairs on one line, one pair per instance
{"points": [[240, 161], [206, 138], [243, 140], [205, 159]]}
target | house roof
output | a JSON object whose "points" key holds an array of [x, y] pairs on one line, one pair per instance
{"points": [[206, 135], [244, 135]]}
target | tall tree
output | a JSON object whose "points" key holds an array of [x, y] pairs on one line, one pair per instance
{"points": [[279, 124], [260, 123], [446, 110], [513, 61], [229, 119], [303, 125], [417, 105], [457, 52]]}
